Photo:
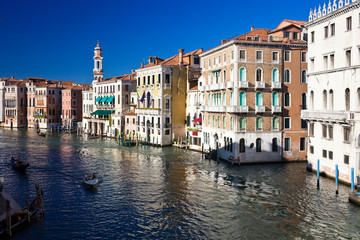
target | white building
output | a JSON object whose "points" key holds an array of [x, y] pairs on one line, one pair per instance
{"points": [[334, 88], [108, 100]]}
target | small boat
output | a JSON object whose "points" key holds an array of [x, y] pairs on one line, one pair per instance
{"points": [[126, 143], [90, 181], [18, 165], [41, 134]]}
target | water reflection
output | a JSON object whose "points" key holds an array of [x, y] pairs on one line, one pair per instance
{"points": [[162, 193]]}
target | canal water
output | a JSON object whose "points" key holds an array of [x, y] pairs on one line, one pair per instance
{"points": [[168, 193]]}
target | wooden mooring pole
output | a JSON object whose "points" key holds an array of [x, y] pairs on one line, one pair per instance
{"points": [[8, 218]]}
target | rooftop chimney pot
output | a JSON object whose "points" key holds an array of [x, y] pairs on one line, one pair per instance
{"points": [[181, 56], [142, 65], [252, 28]]}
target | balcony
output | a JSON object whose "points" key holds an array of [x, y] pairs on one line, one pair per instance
{"points": [[230, 85], [202, 108], [215, 109], [202, 88], [39, 116], [207, 88], [259, 84], [105, 106], [222, 85], [237, 109], [259, 109], [148, 111], [215, 87], [323, 115], [276, 109], [243, 84], [276, 85]]}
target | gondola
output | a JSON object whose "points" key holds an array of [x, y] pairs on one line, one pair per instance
{"points": [[18, 165], [90, 181]]}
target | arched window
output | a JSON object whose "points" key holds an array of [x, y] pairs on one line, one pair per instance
{"points": [[148, 95], [242, 100], [232, 75], [287, 99], [242, 123], [312, 100], [303, 101], [213, 123], [324, 99], [275, 99], [219, 122], [303, 76], [347, 99], [259, 101], [224, 99], [220, 99], [331, 99], [209, 124], [274, 145], [275, 75], [231, 145], [242, 74], [258, 145], [231, 99], [224, 122], [258, 74], [231, 124], [188, 120], [242, 145], [224, 76], [259, 123], [287, 76], [275, 123], [209, 100]]}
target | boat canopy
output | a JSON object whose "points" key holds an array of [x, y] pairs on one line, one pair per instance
{"points": [[103, 112]]}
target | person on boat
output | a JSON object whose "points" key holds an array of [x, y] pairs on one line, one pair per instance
{"points": [[87, 177]]}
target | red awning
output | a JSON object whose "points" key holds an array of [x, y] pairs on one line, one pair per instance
{"points": [[197, 120]]}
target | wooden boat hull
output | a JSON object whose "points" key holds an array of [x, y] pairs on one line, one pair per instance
{"points": [[21, 167], [91, 182]]}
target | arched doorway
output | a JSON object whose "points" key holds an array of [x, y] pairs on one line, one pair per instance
{"points": [[148, 131], [216, 140]]}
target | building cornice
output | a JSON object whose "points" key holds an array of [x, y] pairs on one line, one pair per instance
{"points": [[334, 70], [333, 15]]}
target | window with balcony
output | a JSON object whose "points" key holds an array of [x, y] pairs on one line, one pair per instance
{"points": [[275, 123], [242, 123], [242, 99], [287, 123], [224, 122], [242, 74], [287, 144], [274, 145], [259, 99], [259, 76], [167, 104], [259, 124], [275, 99]]}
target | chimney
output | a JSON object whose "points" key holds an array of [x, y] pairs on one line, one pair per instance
{"points": [[132, 71], [142, 65], [12, 77], [155, 60], [181, 56], [252, 28], [150, 59]]}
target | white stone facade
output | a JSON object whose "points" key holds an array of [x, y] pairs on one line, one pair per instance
{"points": [[334, 89]]}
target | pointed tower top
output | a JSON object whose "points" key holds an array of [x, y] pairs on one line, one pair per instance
{"points": [[98, 46]]}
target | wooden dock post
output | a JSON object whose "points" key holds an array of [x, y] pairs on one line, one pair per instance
{"points": [[318, 173], [202, 151], [337, 179], [8, 218]]}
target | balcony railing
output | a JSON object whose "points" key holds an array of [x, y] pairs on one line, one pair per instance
{"points": [[202, 88], [105, 106], [259, 108], [148, 111], [237, 109], [340, 116], [259, 84], [215, 109], [215, 87], [230, 85], [202, 108], [276, 85], [39, 116], [243, 84], [222, 85], [276, 109]]}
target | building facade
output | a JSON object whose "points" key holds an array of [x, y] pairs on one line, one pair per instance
{"points": [[71, 112], [162, 88], [243, 94], [194, 118], [334, 88]]}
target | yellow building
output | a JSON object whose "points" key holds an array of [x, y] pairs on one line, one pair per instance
{"points": [[162, 89]]}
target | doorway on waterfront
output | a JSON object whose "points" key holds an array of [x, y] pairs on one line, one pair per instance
{"points": [[148, 131], [216, 140]]}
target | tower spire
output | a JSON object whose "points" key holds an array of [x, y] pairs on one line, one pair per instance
{"points": [[98, 70]]}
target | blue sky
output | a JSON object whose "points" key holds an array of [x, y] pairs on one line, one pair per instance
{"points": [[55, 39]]}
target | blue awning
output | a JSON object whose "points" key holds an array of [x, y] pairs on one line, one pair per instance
{"points": [[110, 99], [103, 99], [98, 99]]}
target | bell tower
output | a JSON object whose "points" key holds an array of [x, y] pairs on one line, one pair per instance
{"points": [[98, 70]]}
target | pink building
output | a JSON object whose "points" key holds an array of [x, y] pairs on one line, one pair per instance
{"points": [[71, 112], [130, 124]]}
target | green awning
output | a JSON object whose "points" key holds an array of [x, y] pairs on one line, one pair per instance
{"points": [[98, 99], [103, 99], [218, 70], [110, 99], [103, 112]]}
